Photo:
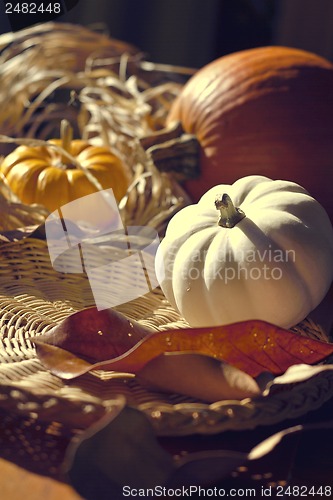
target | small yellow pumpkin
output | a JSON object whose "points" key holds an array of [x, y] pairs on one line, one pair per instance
{"points": [[40, 174]]}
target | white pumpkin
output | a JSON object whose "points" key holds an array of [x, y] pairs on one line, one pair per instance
{"points": [[258, 249]]}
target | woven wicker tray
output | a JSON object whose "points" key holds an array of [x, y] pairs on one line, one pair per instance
{"points": [[41, 411]]}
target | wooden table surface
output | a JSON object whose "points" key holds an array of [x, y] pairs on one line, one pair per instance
{"points": [[18, 484]]}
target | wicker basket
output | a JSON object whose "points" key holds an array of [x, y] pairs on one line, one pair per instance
{"points": [[40, 413]]}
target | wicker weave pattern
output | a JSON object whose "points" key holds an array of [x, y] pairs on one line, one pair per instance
{"points": [[34, 298], [37, 406]]}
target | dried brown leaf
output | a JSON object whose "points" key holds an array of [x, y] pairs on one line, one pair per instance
{"points": [[252, 346]]}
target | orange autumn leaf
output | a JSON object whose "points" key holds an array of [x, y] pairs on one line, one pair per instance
{"points": [[251, 346]]}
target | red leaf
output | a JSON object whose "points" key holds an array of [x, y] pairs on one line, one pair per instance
{"points": [[95, 335], [252, 346]]}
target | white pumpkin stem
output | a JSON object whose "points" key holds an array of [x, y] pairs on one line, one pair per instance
{"points": [[229, 214], [66, 135]]}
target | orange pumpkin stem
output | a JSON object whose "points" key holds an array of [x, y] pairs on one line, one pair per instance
{"points": [[171, 150]]}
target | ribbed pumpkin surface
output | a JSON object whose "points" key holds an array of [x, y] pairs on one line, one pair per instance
{"points": [[265, 111]]}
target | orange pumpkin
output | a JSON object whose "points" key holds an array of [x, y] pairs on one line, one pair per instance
{"points": [[42, 175], [265, 111]]}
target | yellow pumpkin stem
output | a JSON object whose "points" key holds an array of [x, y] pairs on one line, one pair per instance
{"points": [[229, 214], [66, 135]]}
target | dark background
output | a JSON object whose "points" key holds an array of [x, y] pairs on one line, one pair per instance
{"points": [[194, 32]]}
